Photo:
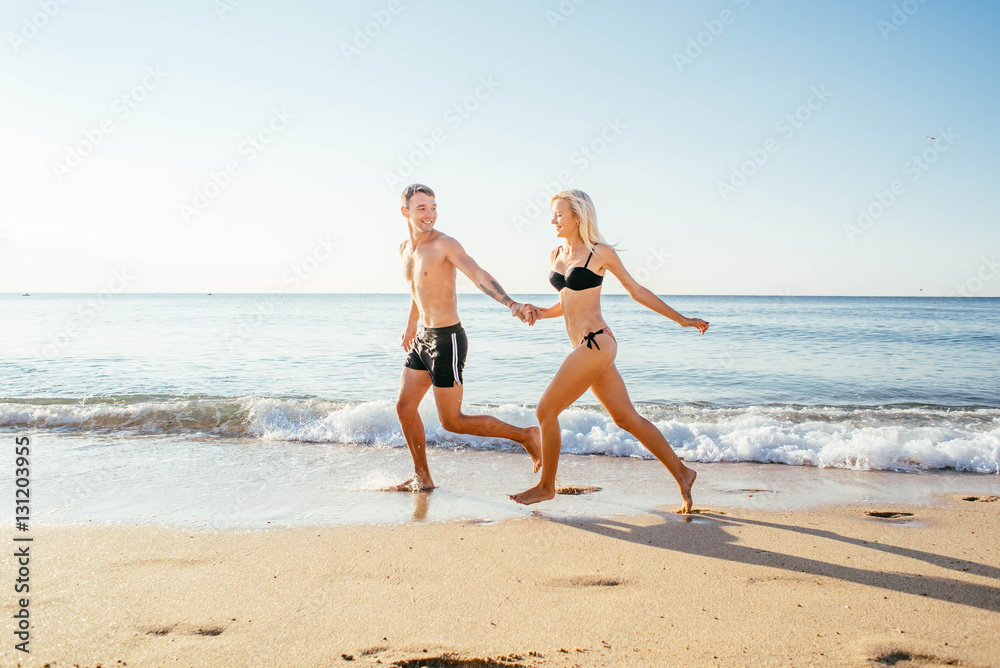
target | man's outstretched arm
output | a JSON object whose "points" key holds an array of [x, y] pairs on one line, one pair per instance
{"points": [[480, 277]]}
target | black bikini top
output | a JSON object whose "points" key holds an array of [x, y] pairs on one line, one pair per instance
{"points": [[579, 278]]}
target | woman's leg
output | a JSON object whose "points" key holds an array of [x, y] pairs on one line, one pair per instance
{"points": [[577, 372], [610, 390]]}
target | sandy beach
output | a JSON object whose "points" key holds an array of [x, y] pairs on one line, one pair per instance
{"points": [[724, 587]]}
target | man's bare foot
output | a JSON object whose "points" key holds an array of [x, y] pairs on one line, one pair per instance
{"points": [[534, 448], [414, 484], [534, 495], [685, 487]]}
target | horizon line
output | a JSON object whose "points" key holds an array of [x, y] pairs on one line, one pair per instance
{"points": [[610, 294]]}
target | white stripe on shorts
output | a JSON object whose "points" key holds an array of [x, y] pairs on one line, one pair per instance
{"points": [[454, 357]]}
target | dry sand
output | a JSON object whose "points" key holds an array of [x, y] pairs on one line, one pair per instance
{"points": [[726, 587]]}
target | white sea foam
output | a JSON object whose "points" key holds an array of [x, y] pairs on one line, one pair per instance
{"points": [[862, 438]]}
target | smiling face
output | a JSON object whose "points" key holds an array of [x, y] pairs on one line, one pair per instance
{"points": [[564, 219], [422, 212]]}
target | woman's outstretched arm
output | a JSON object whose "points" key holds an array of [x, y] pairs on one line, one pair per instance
{"points": [[554, 311], [643, 295]]}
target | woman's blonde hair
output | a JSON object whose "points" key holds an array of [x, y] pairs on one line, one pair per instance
{"points": [[583, 208]]}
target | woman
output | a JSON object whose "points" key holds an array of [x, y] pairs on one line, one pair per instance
{"points": [[578, 268]]}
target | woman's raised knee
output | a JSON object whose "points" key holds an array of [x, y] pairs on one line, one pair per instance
{"points": [[628, 421]]}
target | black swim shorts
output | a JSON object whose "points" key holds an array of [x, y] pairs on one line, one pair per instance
{"points": [[440, 351]]}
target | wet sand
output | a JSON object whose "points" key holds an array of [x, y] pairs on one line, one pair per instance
{"points": [[221, 484], [728, 586]]}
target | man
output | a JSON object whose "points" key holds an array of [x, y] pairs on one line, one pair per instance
{"points": [[437, 352]]}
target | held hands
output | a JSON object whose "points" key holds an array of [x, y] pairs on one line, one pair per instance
{"points": [[697, 323], [526, 312], [530, 313]]}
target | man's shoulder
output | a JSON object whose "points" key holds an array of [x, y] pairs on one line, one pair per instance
{"points": [[439, 243], [443, 238], [445, 243]]}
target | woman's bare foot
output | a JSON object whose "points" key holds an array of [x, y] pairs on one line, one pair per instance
{"points": [[534, 495], [534, 448], [414, 484], [685, 487]]}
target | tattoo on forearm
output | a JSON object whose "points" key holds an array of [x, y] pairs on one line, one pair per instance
{"points": [[497, 293]]}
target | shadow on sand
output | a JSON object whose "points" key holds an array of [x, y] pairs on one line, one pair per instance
{"points": [[706, 535]]}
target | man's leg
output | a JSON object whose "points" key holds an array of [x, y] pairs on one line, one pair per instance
{"points": [[449, 407], [413, 385]]}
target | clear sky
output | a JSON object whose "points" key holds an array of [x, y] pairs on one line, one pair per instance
{"points": [[729, 146]]}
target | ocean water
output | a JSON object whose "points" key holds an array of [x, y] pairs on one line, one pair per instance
{"points": [[865, 384], [882, 383]]}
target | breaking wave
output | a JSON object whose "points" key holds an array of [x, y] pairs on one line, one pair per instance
{"points": [[900, 438]]}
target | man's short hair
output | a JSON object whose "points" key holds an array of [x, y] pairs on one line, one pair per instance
{"points": [[412, 190]]}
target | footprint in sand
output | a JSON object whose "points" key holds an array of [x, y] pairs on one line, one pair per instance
{"points": [[582, 581], [887, 514], [450, 661], [750, 491], [982, 499], [912, 659], [185, 630], [372, 651], [576, 489]]}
